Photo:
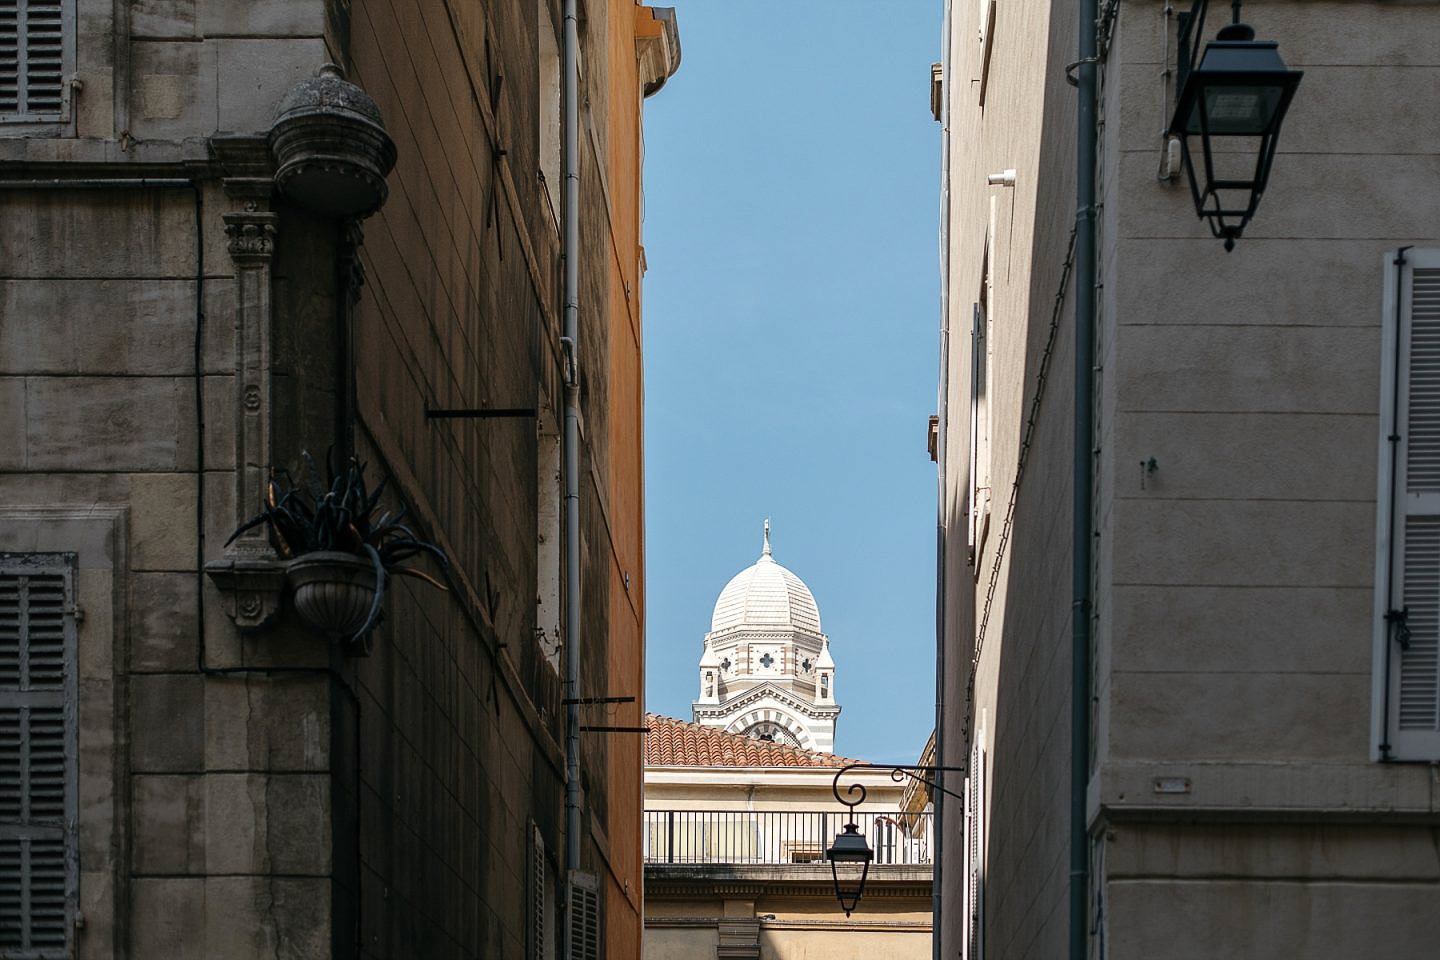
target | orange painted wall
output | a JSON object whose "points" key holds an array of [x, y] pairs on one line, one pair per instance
{"points": [[625, 477]]}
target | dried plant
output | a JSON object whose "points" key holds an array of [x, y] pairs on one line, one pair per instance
{"points": [[305, 517]]}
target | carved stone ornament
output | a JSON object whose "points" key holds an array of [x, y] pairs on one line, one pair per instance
{"points": [[331, 149], [250, 235], [251, 589]]}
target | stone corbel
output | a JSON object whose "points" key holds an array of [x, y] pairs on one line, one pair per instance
{"points": [[251, 589]]}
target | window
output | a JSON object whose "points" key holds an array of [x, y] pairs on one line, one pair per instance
{"points": [[980, 414], [37, 57], [549, 109], [38, 868], [584, 917], [542, 900], [975, 855], [1406, 717], [987, 42]]}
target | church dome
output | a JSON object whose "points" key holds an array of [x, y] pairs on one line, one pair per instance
{"points": [[766, 595]]}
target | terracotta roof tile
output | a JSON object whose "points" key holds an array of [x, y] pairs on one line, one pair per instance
{"points": [[679, 743]]}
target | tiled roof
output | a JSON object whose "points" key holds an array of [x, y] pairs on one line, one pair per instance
{"points": [[678, 743]]}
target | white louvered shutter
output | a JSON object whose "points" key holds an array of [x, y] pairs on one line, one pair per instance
{"points": [[1410, 638], [37, 43], [584, 917], [975, 855], [37, 770], [977, 483]]}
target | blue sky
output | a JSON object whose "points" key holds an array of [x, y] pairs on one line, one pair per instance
{"points": [[791, 183]]}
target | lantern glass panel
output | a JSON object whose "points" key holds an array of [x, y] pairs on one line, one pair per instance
{"points": [[1235, 111]]}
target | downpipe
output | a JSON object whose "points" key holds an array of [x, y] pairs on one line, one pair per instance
{"points": [[1081, 534], [570, 451]]}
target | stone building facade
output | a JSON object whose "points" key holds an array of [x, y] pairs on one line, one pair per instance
{"points": [[199, 774], [735, 835], [1255, 789]]}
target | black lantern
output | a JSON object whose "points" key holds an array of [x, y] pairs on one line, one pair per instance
{"points": [[850, 849], [1232, 102]]}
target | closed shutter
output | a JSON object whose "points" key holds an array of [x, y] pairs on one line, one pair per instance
{"points": [[584, 917], [979, 485], [37, 772], [537, 894], [1408, 592], [36, 53], [975, 855]]}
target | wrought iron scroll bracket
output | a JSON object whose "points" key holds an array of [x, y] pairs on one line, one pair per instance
{"points": [[854, 794]]}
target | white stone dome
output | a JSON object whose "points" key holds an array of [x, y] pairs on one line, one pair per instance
{"points": [[766, 595]]}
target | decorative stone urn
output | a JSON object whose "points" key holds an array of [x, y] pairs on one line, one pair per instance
{"points": [[331, 149], [333, 590]]}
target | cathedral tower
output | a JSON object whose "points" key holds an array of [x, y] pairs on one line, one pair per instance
{"points": [[766, 670]]}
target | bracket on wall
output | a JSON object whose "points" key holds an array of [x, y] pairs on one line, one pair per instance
{"points": [[251, 590]]}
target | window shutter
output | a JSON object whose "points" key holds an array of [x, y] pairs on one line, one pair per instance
{"points": [[584, 918], [537, 894], [975, 855], [36, 53], [1409, 627], [37, 773], [977, 420]]}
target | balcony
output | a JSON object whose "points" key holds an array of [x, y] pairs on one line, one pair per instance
{"points": [[786, 838]]}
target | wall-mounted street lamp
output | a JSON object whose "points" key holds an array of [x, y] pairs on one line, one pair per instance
{"points": [[851, 850], [1232, 103], [850, 856]]}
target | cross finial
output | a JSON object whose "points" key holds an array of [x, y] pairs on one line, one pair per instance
{"points": [[766, 551]]}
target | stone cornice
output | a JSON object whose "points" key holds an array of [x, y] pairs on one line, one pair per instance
{"points": [[767, 690]]}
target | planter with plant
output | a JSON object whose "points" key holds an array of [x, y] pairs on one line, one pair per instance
{"points": [[338, 547]]}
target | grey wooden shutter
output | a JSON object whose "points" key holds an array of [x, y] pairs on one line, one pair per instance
{"points": [[37, 43], [584, 917], [37, 750], [1409, 630]]}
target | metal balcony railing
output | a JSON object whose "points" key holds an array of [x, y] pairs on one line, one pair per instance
{"points": [[780, 837]]}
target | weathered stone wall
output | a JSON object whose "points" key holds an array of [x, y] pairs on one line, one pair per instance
{"points": [[286, 800], [204, 816]]}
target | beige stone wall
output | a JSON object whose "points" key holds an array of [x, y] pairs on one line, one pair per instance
{"points": [[1234, 584], [1023, 125], [786, 927]]}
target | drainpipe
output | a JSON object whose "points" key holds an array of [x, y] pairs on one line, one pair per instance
{"points": [[1085, 274], [570, 451]]}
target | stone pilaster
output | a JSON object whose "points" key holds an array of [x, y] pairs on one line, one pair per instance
{"points": [[251, 577]]}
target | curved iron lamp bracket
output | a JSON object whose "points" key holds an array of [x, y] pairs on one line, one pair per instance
{"points": [[898, 772]]}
